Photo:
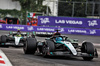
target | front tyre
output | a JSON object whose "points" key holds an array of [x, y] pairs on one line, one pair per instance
{"points": [[48, 47], [30, 46], [45, 51], [87, 47], [87, 58], [51, 45]]}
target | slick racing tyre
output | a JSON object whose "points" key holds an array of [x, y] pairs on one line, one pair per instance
{"points": [[49, 47], [45, 51], [30, 46], [3, 39], [88, 48]]}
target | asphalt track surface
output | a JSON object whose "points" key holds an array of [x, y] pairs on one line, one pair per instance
{"points": [[18, 58]]}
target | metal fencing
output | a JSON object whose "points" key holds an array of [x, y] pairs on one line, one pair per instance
{"points": [[77, 9]]}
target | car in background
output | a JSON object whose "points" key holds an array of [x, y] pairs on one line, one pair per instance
{"points": [[15, 39]]}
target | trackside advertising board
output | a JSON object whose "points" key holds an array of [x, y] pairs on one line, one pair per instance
{"points": [[80, 31], [69, 22]]}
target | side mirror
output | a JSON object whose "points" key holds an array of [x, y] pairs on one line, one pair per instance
{"points": [[75, 40]]}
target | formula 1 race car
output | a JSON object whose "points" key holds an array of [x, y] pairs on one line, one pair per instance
{"points": [[61, 46], [15, 39]]}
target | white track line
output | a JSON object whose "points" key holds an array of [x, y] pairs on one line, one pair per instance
{"points": [[4, 60]]}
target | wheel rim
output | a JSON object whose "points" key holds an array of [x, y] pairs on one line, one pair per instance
{"points": [[44, 52]]}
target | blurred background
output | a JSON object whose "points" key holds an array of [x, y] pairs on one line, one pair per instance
{"points": [[18, 11]]}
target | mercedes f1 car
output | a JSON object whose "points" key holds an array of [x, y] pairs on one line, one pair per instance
{"points": [[15, 39], [61, 46]]}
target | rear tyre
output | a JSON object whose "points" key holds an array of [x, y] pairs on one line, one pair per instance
{"points": [[3, 38], [30, 46], [3, 41], [88, 47]]}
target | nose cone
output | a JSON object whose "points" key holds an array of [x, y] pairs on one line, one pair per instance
{"points": [[17, 40]]}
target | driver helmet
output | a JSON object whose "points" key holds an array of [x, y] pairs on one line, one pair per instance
{"points": [[59, 39], [18, 34]]}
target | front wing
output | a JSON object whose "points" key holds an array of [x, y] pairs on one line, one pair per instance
{"points": [[79, 54]]}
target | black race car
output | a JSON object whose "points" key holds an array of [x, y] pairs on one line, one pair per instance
{"points": [[15, 39], [58, 45]]}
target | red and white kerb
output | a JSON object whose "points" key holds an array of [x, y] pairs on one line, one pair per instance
{"points": [[2, 60]]}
